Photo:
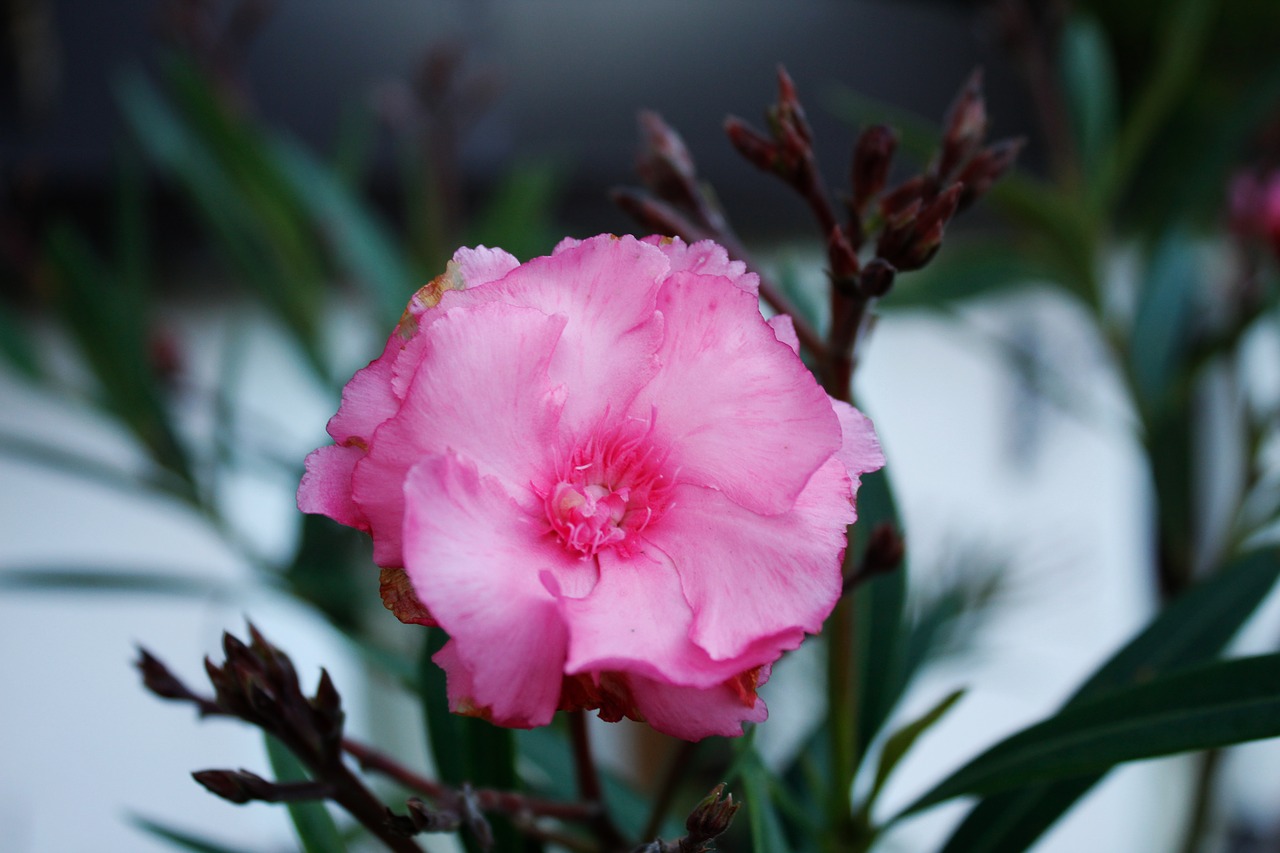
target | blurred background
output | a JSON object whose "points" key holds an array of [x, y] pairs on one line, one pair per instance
{"points": [[211, 212]]}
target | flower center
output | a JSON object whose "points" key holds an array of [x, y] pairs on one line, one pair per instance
{"points": [[612, 487]]}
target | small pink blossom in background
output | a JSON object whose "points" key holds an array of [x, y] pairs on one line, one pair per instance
{"points": [[606, 476], [1254, 207]]}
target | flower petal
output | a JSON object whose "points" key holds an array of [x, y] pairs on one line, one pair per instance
{"points": [[769, 575], [326, 486], [483, 265], [474, 557], [859, 447], [483, 392], [637, 620], [784, 329], [705, 257], [607, 288], [740, 410], [692, 714]]}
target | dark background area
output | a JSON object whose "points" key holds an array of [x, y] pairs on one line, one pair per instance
{"points": [[564, 79]]}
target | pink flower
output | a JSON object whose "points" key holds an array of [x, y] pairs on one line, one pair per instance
{"points": [[606, 476]]}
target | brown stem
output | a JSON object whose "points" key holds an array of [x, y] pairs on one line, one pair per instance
{"points": [[507, 802], [589, 787], [667, 792]]}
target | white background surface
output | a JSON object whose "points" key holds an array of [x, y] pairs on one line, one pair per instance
{"points": [[83, 746]]}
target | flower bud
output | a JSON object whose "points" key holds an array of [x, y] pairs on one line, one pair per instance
{"points": [[877, 278], [760, 152], [711, 817], [237, 786], [872, 157], [987, 167], [665, 165], [966, 126], [157, 678]]}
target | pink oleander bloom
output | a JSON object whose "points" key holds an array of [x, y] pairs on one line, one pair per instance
{"points": [[606, 476]]}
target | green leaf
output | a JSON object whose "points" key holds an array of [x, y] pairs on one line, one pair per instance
{"points": [[181, 838], [1089, 84], [361, 242], [1166, 307], [107, 317], [969, 270], [111, 580], [1181, 40], [918, 136], [15, 344], [466, 749], [1194, 628], [1063, 232], [242, 201], [326, 570], [518, 215], [880, 605], [901, 741], [766, 828], [1207, 706], [546, 751], [316, 829]]}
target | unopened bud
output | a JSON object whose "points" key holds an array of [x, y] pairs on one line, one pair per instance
{"points": [[876, 278], [902, 203], [872, 157], [790, 111], [157, 678], [665, 165], [987, 167], [966, 126], [759, 151], [711, 817], [236, 786]]}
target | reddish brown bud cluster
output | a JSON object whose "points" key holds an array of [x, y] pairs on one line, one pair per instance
{"points": [[674, 202], [905, 224], [788, 150], [709, 820]]}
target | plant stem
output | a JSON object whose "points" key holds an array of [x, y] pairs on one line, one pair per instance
{"points": [[589, 787], [667, 792]]}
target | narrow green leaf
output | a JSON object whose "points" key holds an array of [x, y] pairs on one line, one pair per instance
{"points": [[918, 136], [1192, 629], [879, 606], [242, 202], [181, 838], [16, 345], [546, 753], [766, 828], [1206, 706], [1064, 233], [111, 580], [969, 270], [518, 215], [901, 741], [1089, 84], [1166, 307], [362, 244], [316, 829], [466, 749], [108, 322], [1180, 42]]}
